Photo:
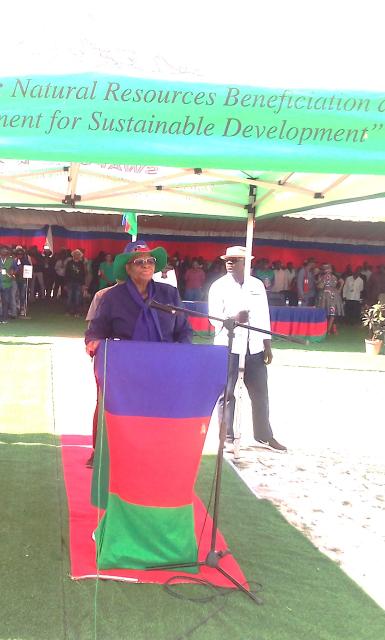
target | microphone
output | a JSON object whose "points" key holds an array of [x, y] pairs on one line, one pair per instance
{"points": [[161, 307]]}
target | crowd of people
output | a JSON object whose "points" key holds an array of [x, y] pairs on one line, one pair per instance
{"points": [[66, 275], [72, 277], [342, 294]]}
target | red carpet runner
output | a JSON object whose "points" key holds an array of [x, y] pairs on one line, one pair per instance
{"points": [[83, 520]]}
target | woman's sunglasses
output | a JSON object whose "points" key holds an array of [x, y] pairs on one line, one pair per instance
{"points": [[141, 262]]}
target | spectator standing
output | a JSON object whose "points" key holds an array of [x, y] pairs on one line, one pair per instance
{"points": [[12, 310], [306, 288], [167, 276], [49, 273], [215, 271], [348, 271], [175, 262], [75, 277], [37, 273], [330, 296], [265, 273], [60, 270], [279, 290], [375, 288], [281, 280], [89, 275], [366, 270], [291, 274], [292, 283], [94, 284], [106, 275], [194, 279], [352, 294], [6, 278], [19, 262]]}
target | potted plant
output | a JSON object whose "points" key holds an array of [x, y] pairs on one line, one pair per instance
{"points": [[374, 319]]}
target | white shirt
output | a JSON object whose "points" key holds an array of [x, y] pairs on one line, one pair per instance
{"points": [[227, 298], [281, 281], [353, 288], [169, 279], [290, 276]]}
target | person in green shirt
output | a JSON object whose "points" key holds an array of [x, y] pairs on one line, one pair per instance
{"points": [[265, 273], [6, 279], [106, 276]]}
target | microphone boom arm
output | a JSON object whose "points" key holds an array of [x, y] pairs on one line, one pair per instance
{"points": [[228, 323]]}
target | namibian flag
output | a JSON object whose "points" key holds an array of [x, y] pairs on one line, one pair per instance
{"points": [[158, 399], [130, 223]]}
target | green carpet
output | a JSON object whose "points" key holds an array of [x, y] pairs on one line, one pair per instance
{"points": [[45, 319], [350, 339], [306, 596]]}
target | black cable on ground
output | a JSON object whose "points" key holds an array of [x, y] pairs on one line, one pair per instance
{"points": [[207, 513], [217, 592]]}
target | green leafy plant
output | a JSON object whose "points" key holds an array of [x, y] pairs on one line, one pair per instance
{"points": [[374, 319]]}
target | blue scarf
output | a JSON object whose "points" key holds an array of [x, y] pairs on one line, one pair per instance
{"points": [[147, 327]]}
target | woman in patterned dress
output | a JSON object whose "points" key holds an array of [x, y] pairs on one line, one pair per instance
{"points": [[329, 296]]}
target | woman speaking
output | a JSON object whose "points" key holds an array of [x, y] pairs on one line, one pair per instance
{"points": [[124, 311]]}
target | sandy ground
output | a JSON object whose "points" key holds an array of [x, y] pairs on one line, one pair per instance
{"points": [[335, 499], [330, 484], [327, 409]]}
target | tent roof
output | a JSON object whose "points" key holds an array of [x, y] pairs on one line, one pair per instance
{"points": [[177, 191]]}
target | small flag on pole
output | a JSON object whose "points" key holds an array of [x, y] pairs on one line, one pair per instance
{"points": [[130, 222]]}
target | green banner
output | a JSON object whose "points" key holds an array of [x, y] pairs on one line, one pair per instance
{"points": [[98, 118]]}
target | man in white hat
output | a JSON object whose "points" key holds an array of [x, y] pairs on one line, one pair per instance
{"points": [[231, 297]]}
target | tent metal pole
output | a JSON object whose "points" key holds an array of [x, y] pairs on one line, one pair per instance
{"points": [[237, 426], [250, 230]]}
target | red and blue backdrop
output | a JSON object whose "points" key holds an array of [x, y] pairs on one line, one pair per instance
{"points": [[337, 253], [24, 237]]}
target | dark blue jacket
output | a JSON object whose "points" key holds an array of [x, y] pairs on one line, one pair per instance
{"points": [[117, 314]]}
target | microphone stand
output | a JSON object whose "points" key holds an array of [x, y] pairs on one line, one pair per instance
{"points": [[26, 316], [214, 556]]}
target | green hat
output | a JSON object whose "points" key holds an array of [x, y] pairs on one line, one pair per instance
{"points": [[132, 251]]}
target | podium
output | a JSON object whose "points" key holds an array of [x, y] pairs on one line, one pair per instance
{"points": [[156, 400]]}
